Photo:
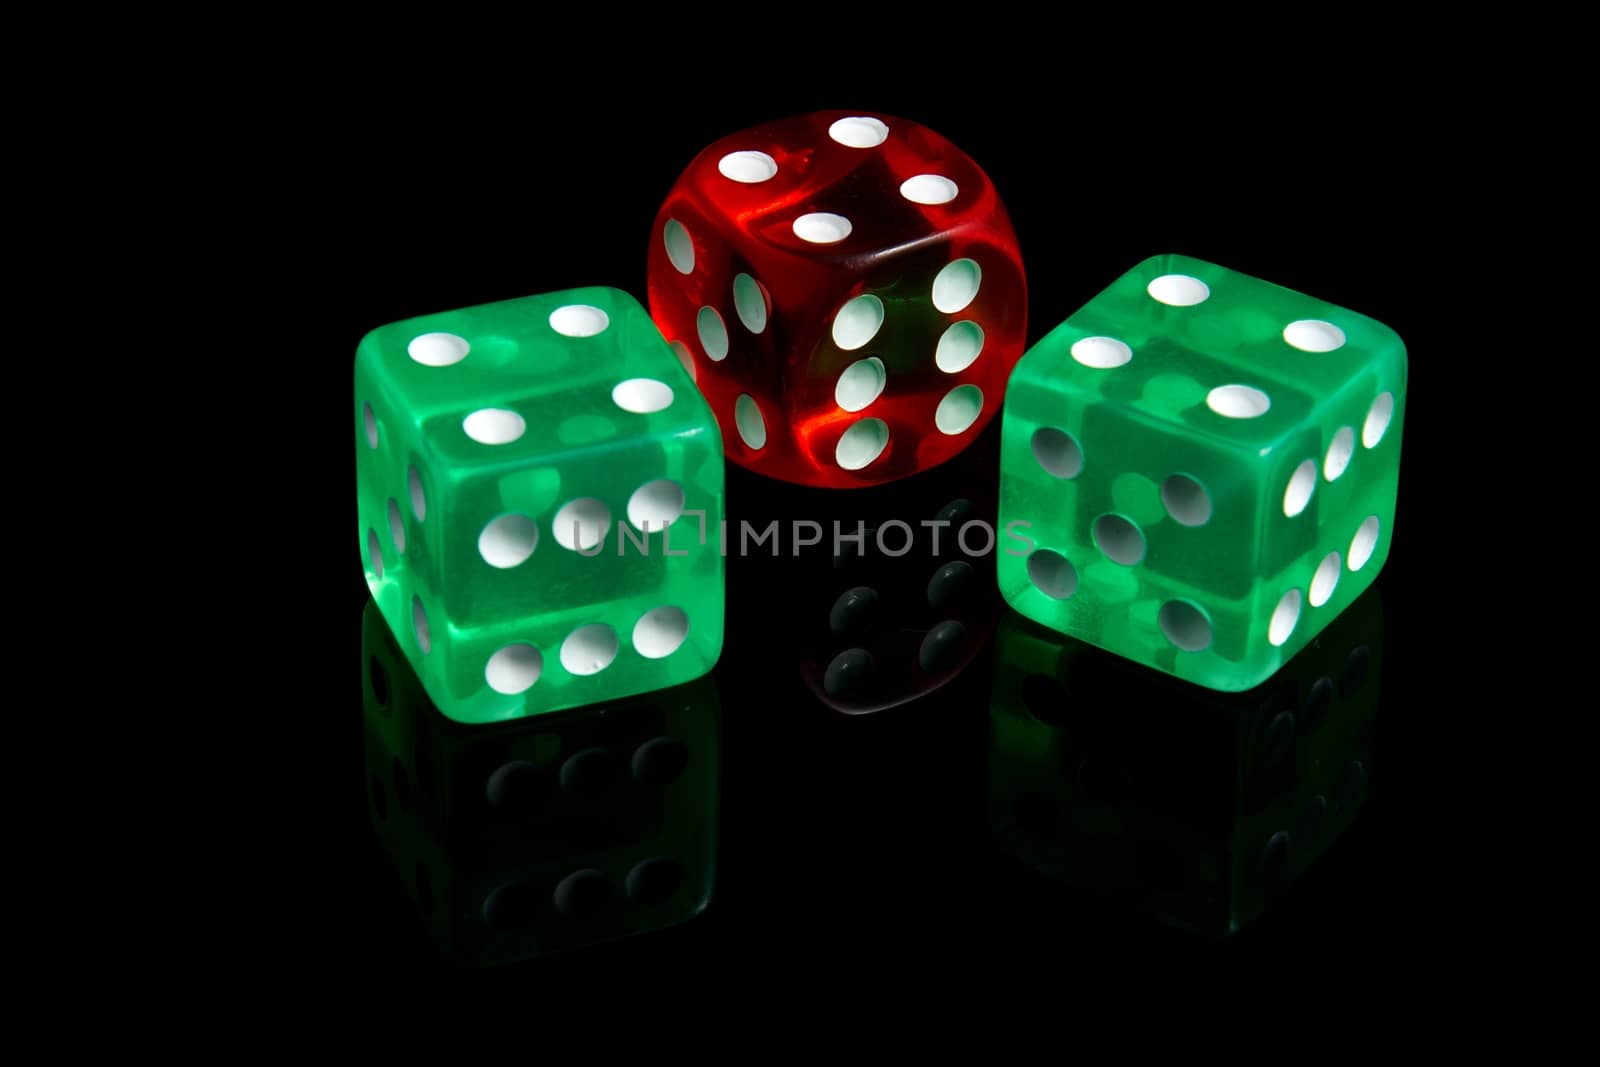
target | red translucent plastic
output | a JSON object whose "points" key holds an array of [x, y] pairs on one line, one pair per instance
{"points": [[939, 385]]}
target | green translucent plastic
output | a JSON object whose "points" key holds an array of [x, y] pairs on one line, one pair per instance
{"points": [[1112, 434], [585, 402]]}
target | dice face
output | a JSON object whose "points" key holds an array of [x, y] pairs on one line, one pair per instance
{"points": [[1194, 807], [535, 481], [1199, 470], [523, 838], [848, 292]]}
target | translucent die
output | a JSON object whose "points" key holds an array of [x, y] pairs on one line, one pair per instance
{"points": [[1199, 470], [848, 291]]}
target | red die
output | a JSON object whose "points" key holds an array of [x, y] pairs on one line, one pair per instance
{"points": [[847, 291]]}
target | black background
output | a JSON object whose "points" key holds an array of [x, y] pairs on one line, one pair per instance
{"points": [[858, 845]]}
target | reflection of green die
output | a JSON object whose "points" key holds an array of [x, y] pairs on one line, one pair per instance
{"points": [[526, 837], [1199, 470], [540, 495], [1193, 806]]}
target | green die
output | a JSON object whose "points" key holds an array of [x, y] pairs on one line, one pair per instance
{"points": [[539, 487], [1199, 470]]}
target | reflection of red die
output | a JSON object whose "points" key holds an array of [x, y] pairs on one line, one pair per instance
{"points": [[847, 291], [883, 597], [902, 620]]}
